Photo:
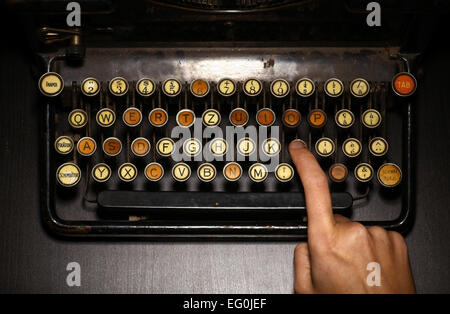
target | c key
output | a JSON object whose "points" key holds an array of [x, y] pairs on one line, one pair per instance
{"points": [[154, 171]]}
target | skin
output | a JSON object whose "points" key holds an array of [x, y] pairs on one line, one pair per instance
{"points": [[335, 258]]}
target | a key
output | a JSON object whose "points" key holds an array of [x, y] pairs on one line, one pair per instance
{"points": [[86, 146]]}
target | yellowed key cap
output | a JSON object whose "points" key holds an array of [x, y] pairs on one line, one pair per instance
{"points": [[325, 147], [378, 146], [271, 147], [105, 117], [206, 172], [246, 146], [181, 171], [344, 118], [252, 87], [218, 146], [171, 87], [371, 118], [118, 86], [359, 87], [101, 172], [90, 87], [389, 175], [351, 147], [258, 172], [145, 87], [211, 117], [284, 172], [127, 172], [78, 118], [64, 145], [363, 172], [68, 174], [334, 87], [192, 147], [279, 88], [165, 146], [305, 87], [51, 84], [226, 87]]}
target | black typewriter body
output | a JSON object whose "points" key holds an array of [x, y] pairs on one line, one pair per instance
{"points": [[260, 207]]}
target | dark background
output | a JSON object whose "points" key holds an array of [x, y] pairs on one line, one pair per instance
{"points": [[31, 260]]}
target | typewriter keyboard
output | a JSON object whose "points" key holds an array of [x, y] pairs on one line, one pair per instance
{"points": [[132, 147]]}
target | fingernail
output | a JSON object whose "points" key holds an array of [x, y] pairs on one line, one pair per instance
{"points": [[298, 144]]}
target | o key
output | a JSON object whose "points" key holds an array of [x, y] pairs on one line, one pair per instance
{"points": [[363, 172], [252, 87], [101, 172], [90, 87], [211, 117], [325, 147], [127, 172], [279, 88], [378, 146], [51, 84], [118, 86], [389, 175], [145, 87], [232, 171], [258, 172], [338, 172], [265, 117], [199, 88], [238, 117], [292, 118], [206, 172], [185, 118], [132, 117], [165, 146], [77, 118], [154, 171], [284, 172], [371, 118], [181, 172], [64, 145], [112, 146], [344, 118], [105, 117], [404, 84], [171, 87], [334, 87], [140, 146], [317, 118], [226, 87], [86, 146], [68, 174], [158, 117]]}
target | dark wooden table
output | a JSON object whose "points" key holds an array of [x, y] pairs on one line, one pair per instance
{"points": [[33, 261]]}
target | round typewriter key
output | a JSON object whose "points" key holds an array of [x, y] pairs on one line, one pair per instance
{"points": [[68, 174], [90, 87], [165, 146], [185, 118], [232, 171], [389, 175], [364, 172], [199, 88], [206, 172], [245, 146], [112, 146], [238, 117], [77, 118], [218, 146], [279, 88], [351, 147], [371, 118], [64, 145], [86, 146], [257, 172], [158, 117], [226, 87], [338, 172], [284, 172], [359, 87], [317, 118], [334, 87], [404, 84], [325, 147], [305, 87], [132, 117], [105, 117], [171, 87], [211, 117], [344, 118], [252, 87], [271, 147], [154, 171], [51, 84], [127, 172], [140, 146], [378, 146], [292, 118], [145, 87], [118, 86], [181, 172], [265, 117], [101, 172], [192, 147]]}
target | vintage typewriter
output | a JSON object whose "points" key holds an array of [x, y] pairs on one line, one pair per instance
{"points": [[173, 118]]}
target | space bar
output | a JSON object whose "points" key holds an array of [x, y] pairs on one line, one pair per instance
{"points": [[217, 202]]}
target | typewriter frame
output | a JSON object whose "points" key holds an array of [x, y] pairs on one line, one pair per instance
{"points": [[151, 230]]}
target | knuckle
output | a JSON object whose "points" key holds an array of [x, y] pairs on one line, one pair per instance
{"points": [[398, 240], [358, 230], [377, 232]]}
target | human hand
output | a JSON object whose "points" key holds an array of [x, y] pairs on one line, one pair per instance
{"points": [[336, 257]]}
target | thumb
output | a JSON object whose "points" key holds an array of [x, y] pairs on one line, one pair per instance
{"points": [[302, 269]]}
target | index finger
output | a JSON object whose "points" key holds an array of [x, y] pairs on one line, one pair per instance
{"points": [[315, 185]]}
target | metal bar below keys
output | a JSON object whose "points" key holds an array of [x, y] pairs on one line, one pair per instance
{"points": [[243, 204]]}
